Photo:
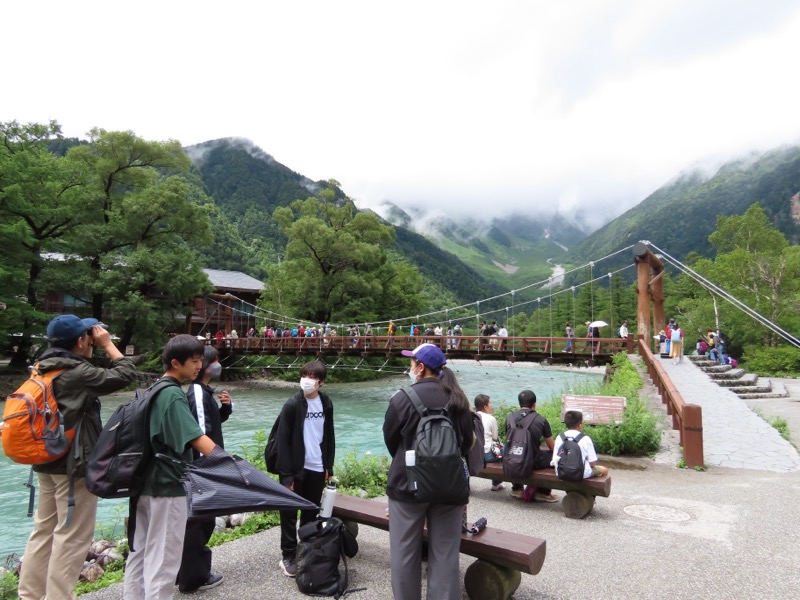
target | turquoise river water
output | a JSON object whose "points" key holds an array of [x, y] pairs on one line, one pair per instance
{"points": [[358, 414]]}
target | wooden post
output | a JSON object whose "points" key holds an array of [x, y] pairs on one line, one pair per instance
{"points": [[648, 266], [643, 305], [692, 435]]}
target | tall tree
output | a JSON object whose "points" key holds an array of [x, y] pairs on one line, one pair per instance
{"points": [[38, 205], [336, 266], [756, 265], [142, 219]]}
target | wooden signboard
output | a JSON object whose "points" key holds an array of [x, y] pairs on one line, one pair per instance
{"points": [[597, 410]]}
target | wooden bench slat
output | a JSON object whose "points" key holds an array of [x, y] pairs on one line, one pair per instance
{"points": [[513, 550], [596, 486]]}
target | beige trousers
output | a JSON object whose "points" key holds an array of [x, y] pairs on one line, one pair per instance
{"points": [[54, 554]]}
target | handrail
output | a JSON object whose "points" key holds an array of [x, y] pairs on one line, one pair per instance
{"points": [[686, 418]]}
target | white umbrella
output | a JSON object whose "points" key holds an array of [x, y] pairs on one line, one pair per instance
{"points": [[598, 324]]}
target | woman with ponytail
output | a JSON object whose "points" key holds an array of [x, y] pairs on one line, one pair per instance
{"points": [[437, 388]]}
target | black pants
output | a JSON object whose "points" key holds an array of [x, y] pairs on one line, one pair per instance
{"points": [[542, 461], [310, 488], [196, 561]]}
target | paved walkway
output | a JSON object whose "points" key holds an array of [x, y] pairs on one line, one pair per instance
{"points": [[734, 435]]}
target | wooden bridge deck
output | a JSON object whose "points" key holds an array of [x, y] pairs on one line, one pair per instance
{"points": [[533, 349]]}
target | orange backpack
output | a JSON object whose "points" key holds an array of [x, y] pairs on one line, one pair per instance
{"points": [[33, 432]]}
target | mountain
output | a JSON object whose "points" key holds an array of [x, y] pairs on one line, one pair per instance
{"points": [[510, 251], [247, 185], [679, 216]]}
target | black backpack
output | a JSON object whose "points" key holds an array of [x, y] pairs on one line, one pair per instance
{"points": [[519, 454], [475, 457], [122, 453], [440, 475], [570, 459], [322, 543], [271, 451]]}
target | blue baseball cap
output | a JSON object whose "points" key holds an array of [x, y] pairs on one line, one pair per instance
{"points": [[428, 354], [69, 327]]}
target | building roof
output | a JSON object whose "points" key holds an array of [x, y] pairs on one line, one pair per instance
{"points": [[233, 280]]}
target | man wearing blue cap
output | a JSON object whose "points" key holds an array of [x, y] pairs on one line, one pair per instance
{"points": [[56, 548]]}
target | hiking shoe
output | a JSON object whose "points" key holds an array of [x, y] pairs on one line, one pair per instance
{"points": [[517, 493], [213, 581], [289, 567], [545, 498], [498, 488]]}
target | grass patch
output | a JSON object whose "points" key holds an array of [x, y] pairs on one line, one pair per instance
{"points": [[782, 426], [258, 522], [365, 475]]}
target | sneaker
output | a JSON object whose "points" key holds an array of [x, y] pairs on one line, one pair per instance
{"points": [[213, 581], [516, 493], [289, 567], [545, 498], [498, 488]]}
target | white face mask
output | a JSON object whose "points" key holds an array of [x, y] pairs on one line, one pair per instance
{"points": [[308, 385], [411, 375]]}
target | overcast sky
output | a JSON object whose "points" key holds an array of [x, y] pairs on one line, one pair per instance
{"points": [[482, 108]]}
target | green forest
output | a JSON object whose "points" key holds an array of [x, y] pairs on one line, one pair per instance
{"points": [[120, 228]]}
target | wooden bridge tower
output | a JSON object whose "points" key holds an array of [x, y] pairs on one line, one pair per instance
{"points": [[650, 285]]}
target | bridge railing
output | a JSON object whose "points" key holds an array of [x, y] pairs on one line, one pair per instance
{"points": [[686, 418], [474, 345]]}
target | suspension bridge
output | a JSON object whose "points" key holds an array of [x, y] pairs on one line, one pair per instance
{"points": [[684, 402], [591, 351], [229, 312]]}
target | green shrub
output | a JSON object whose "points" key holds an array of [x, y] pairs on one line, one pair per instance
{"points": [[8, 586], [368, 473], [636, 435], [783, 361], [253, 451]]}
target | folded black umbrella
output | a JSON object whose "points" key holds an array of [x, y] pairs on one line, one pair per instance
{"points": [[223, 484]]}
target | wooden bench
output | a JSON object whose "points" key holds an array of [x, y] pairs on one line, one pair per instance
{"points": [[597, 410], [580, 497], [502, 555]]}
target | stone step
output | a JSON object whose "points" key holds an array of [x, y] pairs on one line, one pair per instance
{"points": [[702, 361], [717, 368], [729, 374], [758, 396], [750, 379], [752, 389]]}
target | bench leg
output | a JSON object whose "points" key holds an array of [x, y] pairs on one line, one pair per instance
{"points": [[487, 581], [577, 505]]}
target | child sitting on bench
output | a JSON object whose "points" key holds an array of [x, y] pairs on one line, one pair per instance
{"points": [[573, 419]]}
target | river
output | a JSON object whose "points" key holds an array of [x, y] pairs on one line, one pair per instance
{"points": [[359, 409]]}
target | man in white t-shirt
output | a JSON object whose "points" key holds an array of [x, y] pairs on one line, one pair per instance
{"points": [[306, 452], [573, 419]]}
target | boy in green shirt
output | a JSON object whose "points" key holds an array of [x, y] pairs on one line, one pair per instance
{"points": [[161, 510]]}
